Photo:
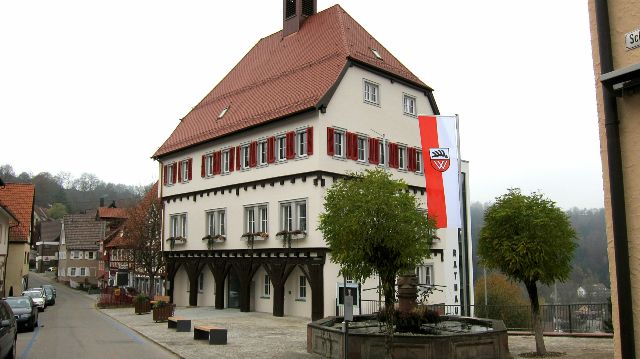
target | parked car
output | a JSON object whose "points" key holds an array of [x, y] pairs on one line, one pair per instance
{"points": [[8, 331], [52, 269], [49, 298], [25, 311], [37, 297], [53, 289]]}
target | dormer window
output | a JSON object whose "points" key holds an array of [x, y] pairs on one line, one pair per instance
{"points": [[223, 112], [376, 54]]}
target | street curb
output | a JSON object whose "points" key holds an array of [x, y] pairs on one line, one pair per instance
{"points": [[169, 349]]}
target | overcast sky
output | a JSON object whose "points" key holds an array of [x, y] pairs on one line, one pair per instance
{"points": [[88, 86]]}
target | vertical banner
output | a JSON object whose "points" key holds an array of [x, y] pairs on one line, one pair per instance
{"points": [[439, 137]]}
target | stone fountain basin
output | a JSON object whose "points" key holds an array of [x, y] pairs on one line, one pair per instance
{"points": [[458, 337]]}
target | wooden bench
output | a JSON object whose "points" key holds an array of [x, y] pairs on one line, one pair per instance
{"points": [[216, 335], [180, 324]]}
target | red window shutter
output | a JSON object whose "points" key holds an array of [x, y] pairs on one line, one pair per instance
{"points": [[309, 141], [216, 163], [253, 151], [330, 146], [271, 149], [291, 145], [190, 169], [376, 151], [179, 167], [202, 166], [372, 150], [175, 172], [349, 145], [354, 152], [392, 155], [164, 174], [238, 157], [409, 159]]}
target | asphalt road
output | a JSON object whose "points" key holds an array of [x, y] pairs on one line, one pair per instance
{"points": [[73, 328]]}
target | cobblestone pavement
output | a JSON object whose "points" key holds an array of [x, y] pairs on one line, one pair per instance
{"points": [[261, 335]]}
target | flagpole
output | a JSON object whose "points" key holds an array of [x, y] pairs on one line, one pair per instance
{"points": [[463, 246]]}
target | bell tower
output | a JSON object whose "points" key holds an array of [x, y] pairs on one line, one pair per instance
{"points": [[294, 12]]}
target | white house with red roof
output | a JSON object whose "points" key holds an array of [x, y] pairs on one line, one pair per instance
{"points": [[252, 161]]}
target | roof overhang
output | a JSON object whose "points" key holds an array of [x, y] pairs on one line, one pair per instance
{"points": [[623, 82]]}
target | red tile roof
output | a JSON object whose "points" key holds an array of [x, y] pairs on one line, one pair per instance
{"points": [[107, 212], [283, 76], [18, 198], [120, 242]]}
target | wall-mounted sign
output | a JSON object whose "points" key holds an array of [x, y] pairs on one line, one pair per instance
{"points": [[632, 39]]}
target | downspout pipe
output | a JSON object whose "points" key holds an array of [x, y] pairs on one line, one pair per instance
{"points": [[616, 187]]}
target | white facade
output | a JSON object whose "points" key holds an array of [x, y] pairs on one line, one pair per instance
{"points": [[276, 184]]}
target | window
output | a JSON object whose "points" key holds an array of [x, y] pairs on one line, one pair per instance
{"points": [[216, 222], [225, 161], [83, 272], [266, 291], [256, 219], [184, 170], [169, 176], [244, 157], [201, 282], [293, 216], [383, 153], [178, 225], [419, 161], [208, 165], [409, 104], [301, 145], [72, 272], [425, 274], [371, 93], [302, 287], [338, 143], [90, 255], [402, 158], [362, 149], [281, 142], [262, 152]]}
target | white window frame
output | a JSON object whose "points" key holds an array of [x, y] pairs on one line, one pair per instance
{"points": [[281, 148], [208, 165], [184, 168], [244, 157], [402, 157], [409, 105], [338, 143], [301, 143], [170, 173], [83, 272], [226, 157], [178, 225], [362, 148], [256, 218], [266, 286], [383, 153], [425, 274], [371, 92], [90, 255], [419, 164], [72, 272], [302, 287], [293, 209], [262, 152], [215, 221]]}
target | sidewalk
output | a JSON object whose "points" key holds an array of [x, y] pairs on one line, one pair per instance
{"points": [[261, 335]]}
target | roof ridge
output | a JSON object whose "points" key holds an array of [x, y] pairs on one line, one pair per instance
{"points": [[343, 34]]}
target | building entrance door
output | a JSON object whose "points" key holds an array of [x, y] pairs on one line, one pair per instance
{"points": [[233, 296]]}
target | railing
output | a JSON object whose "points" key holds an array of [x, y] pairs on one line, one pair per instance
{"points": [[560, 318]]}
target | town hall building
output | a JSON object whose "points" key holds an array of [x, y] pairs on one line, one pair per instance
{"points": [[244, 174]]}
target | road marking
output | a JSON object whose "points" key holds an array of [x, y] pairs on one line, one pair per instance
{"points": [[36, 331]]}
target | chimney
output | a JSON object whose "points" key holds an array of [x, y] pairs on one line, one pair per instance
{"points": [[294, 12]]}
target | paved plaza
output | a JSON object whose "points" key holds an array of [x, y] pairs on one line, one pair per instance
{"points": [[261, 335]]}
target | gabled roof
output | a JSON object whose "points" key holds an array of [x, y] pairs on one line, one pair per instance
{"points": [[83, 231], [280, 77], [50, 231], [18, 198], [120, 242], [109, 212]]}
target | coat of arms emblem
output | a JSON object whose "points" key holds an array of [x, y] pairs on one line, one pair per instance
{"points": [[440, 160]]}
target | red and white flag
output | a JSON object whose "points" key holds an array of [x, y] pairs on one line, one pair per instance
{"points": [[439, 137]]}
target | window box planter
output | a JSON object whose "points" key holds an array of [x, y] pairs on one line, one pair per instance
{"points": [[212, 240], [176, 240], [252, 237], [289, 236]]}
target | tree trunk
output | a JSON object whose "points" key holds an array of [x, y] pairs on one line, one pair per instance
{"points": [[388, 284], [536, 320]]}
